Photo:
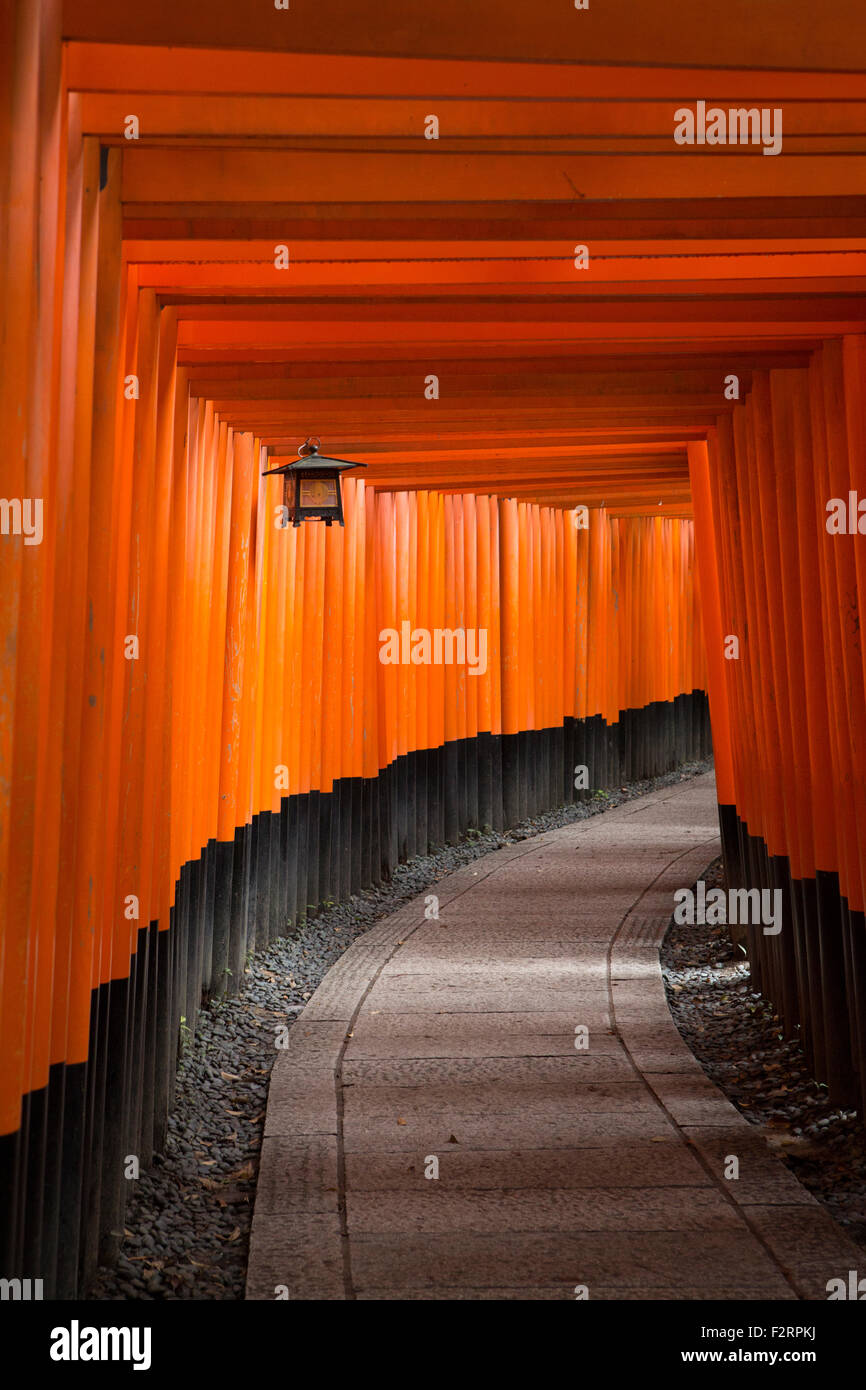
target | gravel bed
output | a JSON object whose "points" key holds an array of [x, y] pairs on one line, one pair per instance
{"points": [[187, 1224], [737, 1038]]}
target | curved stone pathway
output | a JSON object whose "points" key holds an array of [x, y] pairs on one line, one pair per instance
{"points": [[449, 1046]]}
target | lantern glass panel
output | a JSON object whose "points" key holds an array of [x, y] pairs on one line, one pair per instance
{"points": [[318, 492]]}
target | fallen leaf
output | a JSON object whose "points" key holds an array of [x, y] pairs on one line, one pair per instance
{"points": [[401, 1122], [235, 1234], [229, 1076]]}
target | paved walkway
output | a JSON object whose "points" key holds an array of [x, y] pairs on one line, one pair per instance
{"points": [[454, 1040]]}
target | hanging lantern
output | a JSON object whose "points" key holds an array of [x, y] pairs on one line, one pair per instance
{"points": [[311, 485]]}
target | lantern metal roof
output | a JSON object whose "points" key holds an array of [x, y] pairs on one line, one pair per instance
{"points": [[311, 461]]}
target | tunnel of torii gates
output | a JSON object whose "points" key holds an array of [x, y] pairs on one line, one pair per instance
{"points": [[605, 387]]}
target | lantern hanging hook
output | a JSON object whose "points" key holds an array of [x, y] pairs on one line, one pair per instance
{"points": [[311, 445]]}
